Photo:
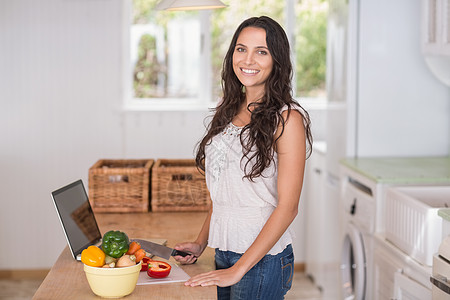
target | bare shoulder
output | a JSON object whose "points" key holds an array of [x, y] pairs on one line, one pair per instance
{"points": [[293, 124], [293, 116], [291, 137]]}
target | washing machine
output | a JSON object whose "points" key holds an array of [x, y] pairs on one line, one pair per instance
{"points": [[358, 225], [397, 275]]}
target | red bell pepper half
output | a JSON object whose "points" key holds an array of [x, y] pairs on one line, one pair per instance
{"points": [[158, 269]]}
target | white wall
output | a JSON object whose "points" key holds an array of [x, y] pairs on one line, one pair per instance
{"points": [[61, 97], [396, 90], [59, 90]]}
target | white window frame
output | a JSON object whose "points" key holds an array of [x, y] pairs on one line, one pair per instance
{"points": [[205, 100], [202, 102]]}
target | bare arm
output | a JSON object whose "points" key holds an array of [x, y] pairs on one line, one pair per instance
{"points": [[291, 149], [202, 238]]}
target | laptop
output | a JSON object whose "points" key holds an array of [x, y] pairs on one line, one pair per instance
{"points": [[76, 217]]}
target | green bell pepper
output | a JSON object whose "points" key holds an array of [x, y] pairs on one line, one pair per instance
{"points": [[115, 243]]}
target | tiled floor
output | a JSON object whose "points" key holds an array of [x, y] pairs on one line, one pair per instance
{"points": [[302, 289]]}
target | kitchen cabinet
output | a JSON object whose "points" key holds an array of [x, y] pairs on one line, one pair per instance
{"points": [[322, 223], [436, 27], [314, 207], [436, 38]]}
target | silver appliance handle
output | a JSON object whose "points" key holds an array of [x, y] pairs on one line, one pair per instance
{"points": [[441, 283]]}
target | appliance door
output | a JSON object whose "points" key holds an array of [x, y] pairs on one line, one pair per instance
{"points": [[439, 279], [353, 265], [441, 288]]}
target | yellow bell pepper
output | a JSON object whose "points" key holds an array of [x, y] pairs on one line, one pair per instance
{"points": [[93, 256]]}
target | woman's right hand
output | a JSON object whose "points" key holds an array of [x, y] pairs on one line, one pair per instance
{"points": [[194, 248]]}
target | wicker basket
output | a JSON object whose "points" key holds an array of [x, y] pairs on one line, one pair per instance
{"points": [[120, 185], [177, 185]]}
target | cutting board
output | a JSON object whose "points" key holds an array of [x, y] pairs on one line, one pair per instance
{"points": [[177, 274]]}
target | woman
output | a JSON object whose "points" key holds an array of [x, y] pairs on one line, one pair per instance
{"points": [[253, 156]]}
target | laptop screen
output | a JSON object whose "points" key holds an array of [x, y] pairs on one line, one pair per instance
{"points": [[76, 216]]}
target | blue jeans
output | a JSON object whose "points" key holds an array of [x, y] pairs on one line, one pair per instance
{"points": [[269, 279]]}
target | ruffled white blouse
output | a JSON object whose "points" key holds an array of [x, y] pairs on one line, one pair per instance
{"points": [[240, 207]]}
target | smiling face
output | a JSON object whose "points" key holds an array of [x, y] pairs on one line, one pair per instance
{"points": [[252, 61]]}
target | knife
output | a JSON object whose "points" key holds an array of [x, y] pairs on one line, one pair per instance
{"points": [[159, 250]]}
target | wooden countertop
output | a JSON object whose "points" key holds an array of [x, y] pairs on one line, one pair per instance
{"points": [[66, 279]]}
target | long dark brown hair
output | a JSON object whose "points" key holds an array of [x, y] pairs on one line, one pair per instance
{"points": [[259, 144]]}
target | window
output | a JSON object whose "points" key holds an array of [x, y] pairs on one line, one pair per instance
{"points": [[176, 57]]}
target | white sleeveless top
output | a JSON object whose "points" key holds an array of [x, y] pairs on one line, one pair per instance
{"points": [[240, 207]]}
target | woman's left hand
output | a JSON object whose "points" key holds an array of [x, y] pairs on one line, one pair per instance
{"points": [[222, 278]]}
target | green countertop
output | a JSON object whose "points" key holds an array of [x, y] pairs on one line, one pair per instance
{"points": [[391, 170], [444, 213]]}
